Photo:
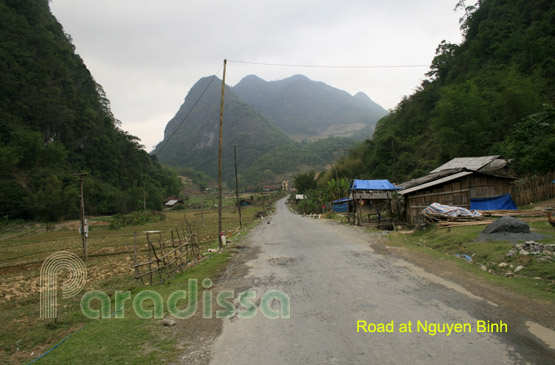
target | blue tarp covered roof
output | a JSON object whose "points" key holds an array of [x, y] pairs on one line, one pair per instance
{"points": [[500, 202], [373, 185]]}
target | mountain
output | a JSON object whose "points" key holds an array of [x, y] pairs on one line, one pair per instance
{"points": [[265, 154], [476, 99], [303, 108], [191, 137], [55, 120]]}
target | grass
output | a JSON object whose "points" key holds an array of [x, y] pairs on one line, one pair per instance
{"points": [[25, 246], [536, 279], [132, 339]]}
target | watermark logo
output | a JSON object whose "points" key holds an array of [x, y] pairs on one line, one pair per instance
{"points": [[181, 304], [51, 267]]}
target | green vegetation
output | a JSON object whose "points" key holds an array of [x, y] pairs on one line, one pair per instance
{"points": [[448, 243], [318, 194], [109, 268], [55, 120], [135, 218], [474, 100], [293, 157], [532, 142]]}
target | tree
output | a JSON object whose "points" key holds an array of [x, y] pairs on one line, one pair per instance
{"points": [[531, 145], [306, 181]]}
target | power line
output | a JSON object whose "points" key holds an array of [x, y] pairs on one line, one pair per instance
{"points": [[326, 66]]}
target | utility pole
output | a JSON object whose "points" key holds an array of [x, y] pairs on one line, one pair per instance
{"points": [[237, 186], [82, 203], [220, 163]]}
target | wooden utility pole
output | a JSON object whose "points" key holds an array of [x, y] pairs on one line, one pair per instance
{"points": [[237, 186], [82, 204], [220, 162]]}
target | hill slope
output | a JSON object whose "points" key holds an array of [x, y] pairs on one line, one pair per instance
{"points": [[55, 120], [191, 137], [304, 108], [476, 96]]}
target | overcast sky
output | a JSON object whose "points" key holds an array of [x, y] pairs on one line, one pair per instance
{"points": [[147, 54]]}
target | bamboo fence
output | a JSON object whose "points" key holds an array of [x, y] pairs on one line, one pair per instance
{"points": [[533, 189], [165, 257]]}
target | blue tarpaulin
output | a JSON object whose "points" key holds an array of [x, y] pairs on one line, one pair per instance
{"points": [[341, 207], [500, 202], [373, 185]]}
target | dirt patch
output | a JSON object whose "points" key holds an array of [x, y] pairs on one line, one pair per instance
{"points": [[282, 261]]}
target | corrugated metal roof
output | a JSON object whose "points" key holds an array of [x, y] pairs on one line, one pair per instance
{"points": [[470, 163], [436, 182], [169, 203], [372, 185]]}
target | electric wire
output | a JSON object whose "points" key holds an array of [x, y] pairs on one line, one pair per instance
{"points": [[326, 66], [165, 143]]}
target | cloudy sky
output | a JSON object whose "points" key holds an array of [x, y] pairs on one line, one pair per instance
{"points": [[147, 54]]}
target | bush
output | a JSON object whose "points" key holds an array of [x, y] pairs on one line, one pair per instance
{"points": [[136, 219]]}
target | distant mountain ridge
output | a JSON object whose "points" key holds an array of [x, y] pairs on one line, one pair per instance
{"points": [[296, 107], [303, 108], [191, 136]]}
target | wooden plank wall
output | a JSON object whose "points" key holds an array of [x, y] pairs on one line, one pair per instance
{"points": [[457, 193]]}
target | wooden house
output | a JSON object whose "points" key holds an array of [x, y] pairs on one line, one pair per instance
{"points": [[456, 183]]}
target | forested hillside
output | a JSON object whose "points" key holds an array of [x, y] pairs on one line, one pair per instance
{"points": [[476, 99], [55, 120]]}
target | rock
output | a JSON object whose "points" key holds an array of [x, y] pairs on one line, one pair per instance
{"points": [[524, 253], [509, 274], [511, 253], [544, 259], [507, 224], [518, 268], [503, 264], [483, 267], [168, 322], [549, 247], [491, 271]]}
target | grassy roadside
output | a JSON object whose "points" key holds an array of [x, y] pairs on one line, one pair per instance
{"points": [[25, 336], [132, 339], [488, 258]]}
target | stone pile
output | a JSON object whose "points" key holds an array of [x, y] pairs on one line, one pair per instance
{"points": [[545, 252]]}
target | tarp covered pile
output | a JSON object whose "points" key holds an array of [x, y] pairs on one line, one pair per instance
{"points": [[439, 211]]}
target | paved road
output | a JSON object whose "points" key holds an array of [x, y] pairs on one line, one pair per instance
{"points": [[334, 278]]}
